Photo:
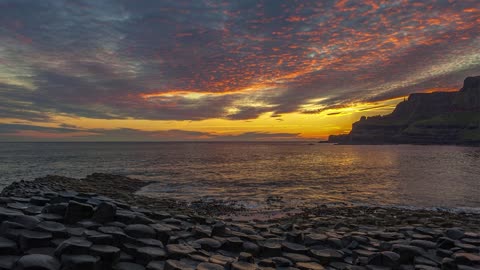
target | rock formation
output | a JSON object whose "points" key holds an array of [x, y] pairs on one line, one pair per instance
{"points": [[424, 118], [41, 229]]}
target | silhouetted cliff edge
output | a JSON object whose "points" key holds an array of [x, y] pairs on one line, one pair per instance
{"points": [[424, 118]]}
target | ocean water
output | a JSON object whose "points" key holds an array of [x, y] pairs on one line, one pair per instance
{"points": [[261, 173]]}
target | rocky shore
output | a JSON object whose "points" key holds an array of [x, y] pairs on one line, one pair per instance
{"points": [[97, 223]]}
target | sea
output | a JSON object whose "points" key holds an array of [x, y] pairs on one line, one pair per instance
{"points": [[261, 174]]}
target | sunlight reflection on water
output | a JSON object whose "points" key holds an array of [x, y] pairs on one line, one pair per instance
{"points": [[292, 173]]}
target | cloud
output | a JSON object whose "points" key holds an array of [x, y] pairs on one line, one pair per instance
{"points": [[65, 132], [196, 60]]}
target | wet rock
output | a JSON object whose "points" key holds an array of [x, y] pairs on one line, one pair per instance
{"points": [[315, 239], [33, 210], [98, 238], [443, 253], [233, 244], [172, 221], [73, 245], [466, 258], [208, 244], [271, 249], [179, 250], [472, 241], [424, 261], [202, 231], [6, 213], [128, 266], [146, 254], [297, 257], [294, 248], [449, 264], [428, 231], [51, 217], [108, 254], [156, 265], [8, 247], [55, 228], [243, 266], [75, 231], [45, 251], [454, 233], [445, 243], [80, 262], [116, 232], [407, 253], [199, 257], [162, 231], [40, 201], [150, 242], [124, 216], [18, 206], [33, 239], [326, 256], [423, 244], [218, 228], [28, 222], [58, 209], [140, 231], [250, 247], [467, 247], [7, 261], [385, 258], [77, 211], [88, 224], [116, 224], [177, 265], [295, 237], [281, 262], [246, 257], [37, 262], [309, 266], [209, 266], [105, 212], [221, 260], [124, 257]]}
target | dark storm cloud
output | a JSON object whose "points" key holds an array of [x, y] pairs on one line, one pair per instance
{"points": [[194, 60]]}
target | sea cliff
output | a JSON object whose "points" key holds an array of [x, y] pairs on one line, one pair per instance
{"points": [[424, 118]]}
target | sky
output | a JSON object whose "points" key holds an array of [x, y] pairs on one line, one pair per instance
{"points": [[142, 70]]}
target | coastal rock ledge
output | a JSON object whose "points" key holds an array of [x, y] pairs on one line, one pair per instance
{"points": [[424, 118], [52, 230]]}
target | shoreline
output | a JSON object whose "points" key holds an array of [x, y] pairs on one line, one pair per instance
{"points": [[102, 220], [126, 188]]}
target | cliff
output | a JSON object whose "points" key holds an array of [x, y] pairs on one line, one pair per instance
{"points": [[424, 118]]}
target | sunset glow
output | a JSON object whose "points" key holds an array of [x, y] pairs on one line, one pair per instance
{"points": [[222, 70]]}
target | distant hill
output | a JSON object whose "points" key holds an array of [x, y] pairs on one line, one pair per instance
{"points": [[424, 118]]}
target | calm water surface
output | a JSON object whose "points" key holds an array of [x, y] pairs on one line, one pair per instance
{"points": [[418, 176]]}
